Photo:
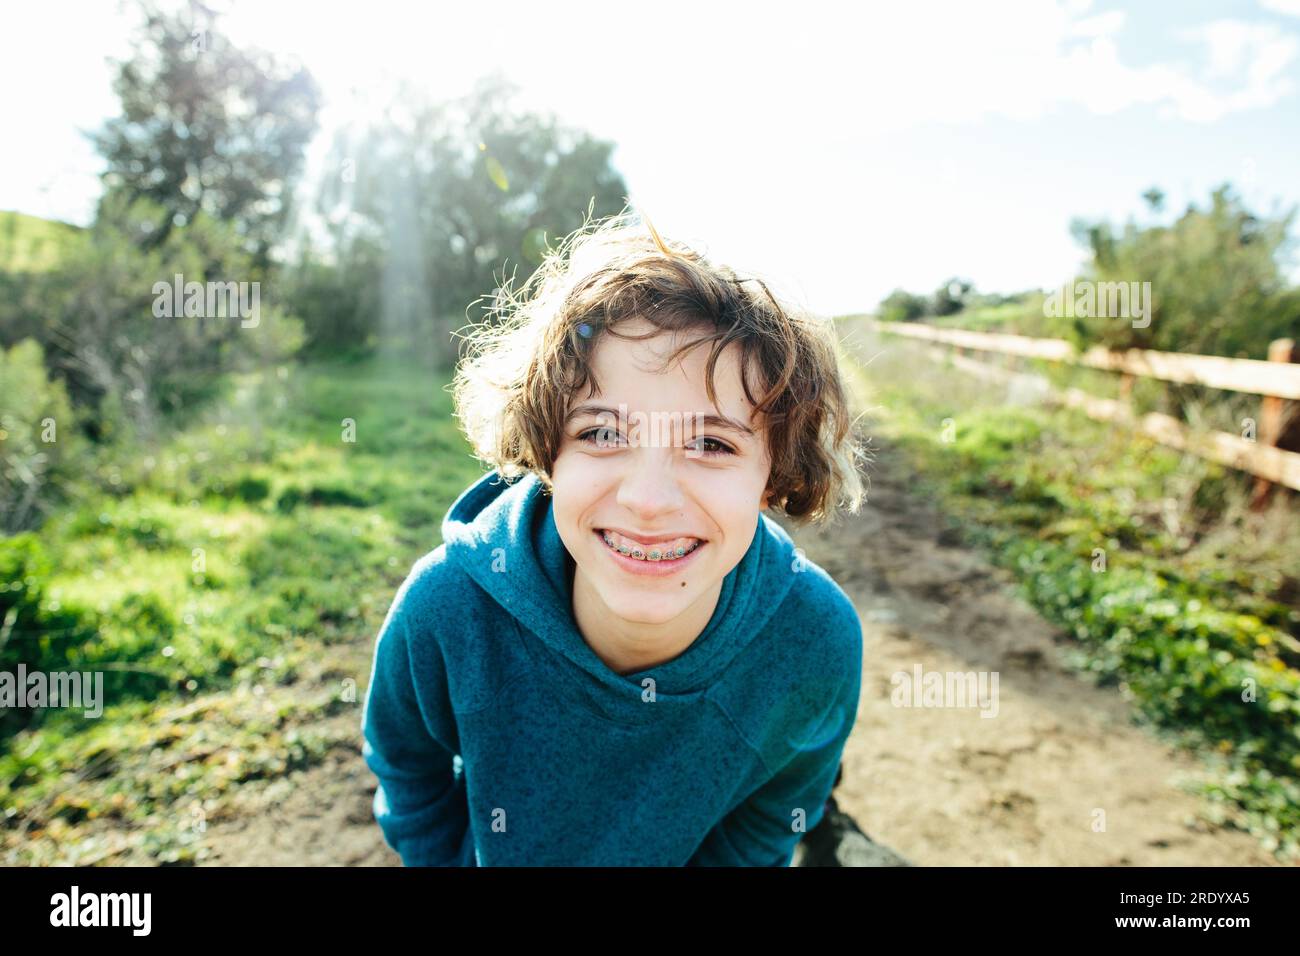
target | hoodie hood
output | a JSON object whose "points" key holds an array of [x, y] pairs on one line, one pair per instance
{"points": [[500, 524]]}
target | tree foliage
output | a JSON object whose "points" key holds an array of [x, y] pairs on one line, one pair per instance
{"points": [[38, 437], [442, 200], [207, 126], [103, 333], [951, 296], [1217, 283], [902, 306]]}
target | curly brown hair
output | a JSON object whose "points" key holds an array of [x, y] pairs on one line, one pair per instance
{"points": [[513, 386]]}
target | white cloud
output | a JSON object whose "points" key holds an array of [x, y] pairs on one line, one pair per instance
{"points": [[1256, 56], [1228, 41], [1288, 7]]}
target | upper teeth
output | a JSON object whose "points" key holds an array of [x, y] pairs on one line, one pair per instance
{"points": [[659, 551]]}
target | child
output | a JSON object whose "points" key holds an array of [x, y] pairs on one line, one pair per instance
{"points": [[615, 658]]}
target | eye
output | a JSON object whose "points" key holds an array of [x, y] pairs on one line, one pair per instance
{"points": [[602, 437], [719, 447]]}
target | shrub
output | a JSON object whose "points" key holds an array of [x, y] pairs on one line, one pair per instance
{"points": [[39, 443]]}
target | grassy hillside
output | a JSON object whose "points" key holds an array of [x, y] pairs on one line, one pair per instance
{"points": [[31, 244]]}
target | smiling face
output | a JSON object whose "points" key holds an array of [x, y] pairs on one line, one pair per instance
{"points": [[658, 505]]}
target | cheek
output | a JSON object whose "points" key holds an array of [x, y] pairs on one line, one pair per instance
{"points": [[739, 527], [575, 488], [575, 469], [737, 491], [742, 507]]}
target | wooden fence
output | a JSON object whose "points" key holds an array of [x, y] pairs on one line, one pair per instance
{"points": [[1277, 380]]}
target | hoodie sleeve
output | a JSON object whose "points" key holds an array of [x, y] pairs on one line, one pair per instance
{"points": [[420, 802], [761, 830]]}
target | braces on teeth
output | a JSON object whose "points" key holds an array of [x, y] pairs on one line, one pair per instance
{"points": [[655, 554]]}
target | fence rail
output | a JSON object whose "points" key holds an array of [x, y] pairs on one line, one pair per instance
{"points": [[1252, 376], [1278, 380]]}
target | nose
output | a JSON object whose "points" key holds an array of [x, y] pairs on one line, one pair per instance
{"points": [[649, 488]]}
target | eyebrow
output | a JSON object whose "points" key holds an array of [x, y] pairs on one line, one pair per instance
{"points": [[710, 420]]}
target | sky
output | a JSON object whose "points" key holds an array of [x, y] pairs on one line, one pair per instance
{"points": [[839, 150]]}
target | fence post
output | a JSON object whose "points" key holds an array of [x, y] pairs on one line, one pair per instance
{"points": [[1278, 422]]}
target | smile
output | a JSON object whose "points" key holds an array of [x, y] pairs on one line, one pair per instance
{"points": [[659, 552]]}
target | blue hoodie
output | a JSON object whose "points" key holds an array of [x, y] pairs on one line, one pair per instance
{"points": [[499, 738]]}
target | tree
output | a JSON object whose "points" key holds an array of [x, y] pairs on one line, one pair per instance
{"points": [[1216, 283], [104, 331], [457, 196], [951, 296], [207, 127], [40, 445], [903, 306]]}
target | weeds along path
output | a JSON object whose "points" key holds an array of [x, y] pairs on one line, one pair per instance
{"points": [[1032, 785]]}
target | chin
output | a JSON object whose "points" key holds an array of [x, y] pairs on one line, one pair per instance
{"points": [[642, 608]]}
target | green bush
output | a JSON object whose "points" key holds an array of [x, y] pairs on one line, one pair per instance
{"points": [[39, 444], [1216, 280], [251, 489], [34, 631], [291, 498]]}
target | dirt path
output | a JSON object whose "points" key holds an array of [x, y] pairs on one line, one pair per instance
{"points": [[942, 786], [322, 818], [946, 786]]}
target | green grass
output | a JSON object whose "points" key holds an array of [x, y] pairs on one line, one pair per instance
{"points": [[1173, 592], [31, 244], [991, 318], [229, 585], [1012, 318]]}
